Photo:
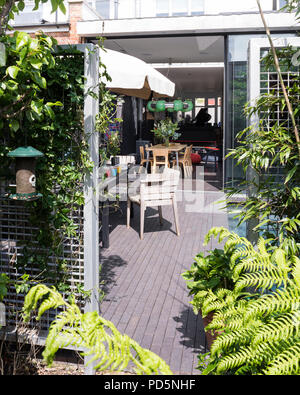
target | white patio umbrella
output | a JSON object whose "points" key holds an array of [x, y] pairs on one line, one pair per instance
{"points": [[133, 77]]}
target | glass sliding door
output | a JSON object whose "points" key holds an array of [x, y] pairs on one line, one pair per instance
{"points": [[237, 89]]}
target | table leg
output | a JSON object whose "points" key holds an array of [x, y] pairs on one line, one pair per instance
{"points": [[147, 157]]}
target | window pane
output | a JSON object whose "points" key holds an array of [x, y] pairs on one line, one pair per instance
{"points": [[282, 3], [219, 115], [197, 7], [102, 7], [212, 112], [179, 7], [162, 7], [28, 16], [200, 102], [212, 102]]}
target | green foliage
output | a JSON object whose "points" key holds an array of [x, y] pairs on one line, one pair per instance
{"points": [[58, 133], [208, 273], [108, 347], [166, 130], [110, 139], [274, 196], [53, 123], [4, 279], [292, 6], [22, 81], [259, 318]]}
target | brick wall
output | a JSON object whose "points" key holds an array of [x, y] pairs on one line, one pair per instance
{"points": [[75, 15], [75, 12]]}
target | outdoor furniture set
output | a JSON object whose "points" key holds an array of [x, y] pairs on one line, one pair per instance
{"points": [[145, 190]]}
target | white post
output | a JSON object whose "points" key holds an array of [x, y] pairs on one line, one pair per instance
{"points": [[91, 194]]}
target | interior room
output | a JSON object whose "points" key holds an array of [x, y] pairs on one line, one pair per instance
{"points": [[196, 65]]}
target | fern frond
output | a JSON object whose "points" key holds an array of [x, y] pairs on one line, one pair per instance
{"points": [[244, 356], [260, 280], [296, 271], [281, 301], [286, 363], [283, 327], [34, 296], [99, 337]]}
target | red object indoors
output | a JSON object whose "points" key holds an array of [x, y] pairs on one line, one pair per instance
{"points": [[196, 158]]}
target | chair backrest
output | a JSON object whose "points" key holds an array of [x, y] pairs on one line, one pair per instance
{"points": [[160, 153], [187, 152], [159, 189], [142, 151], [160, 157]]}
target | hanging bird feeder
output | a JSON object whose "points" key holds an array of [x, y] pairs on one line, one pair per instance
{"points": [[25, 173]]}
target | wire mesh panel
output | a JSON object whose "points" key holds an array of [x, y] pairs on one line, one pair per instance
{"points": [[277, 115], [264, 80], [20, 252]]}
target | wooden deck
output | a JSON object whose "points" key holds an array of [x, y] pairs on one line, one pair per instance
{"points": [[145, 295]]}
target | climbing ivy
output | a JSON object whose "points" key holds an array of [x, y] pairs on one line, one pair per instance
{"points": [[51, 119]]}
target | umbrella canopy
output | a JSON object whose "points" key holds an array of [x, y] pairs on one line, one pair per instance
{"points": [[133, 77]]}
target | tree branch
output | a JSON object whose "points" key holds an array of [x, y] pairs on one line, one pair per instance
{"points": [[4, 14], [22, 98]]}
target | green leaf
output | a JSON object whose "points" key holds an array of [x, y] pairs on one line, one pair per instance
{"points": [[37, 106], [62, 7], [38, 79], [55, 4], [12, 85], [51, 104], [291, 174], [13, 71], [22, 55], [22, 40], [36, 6], [36, 63], [21, 5], [49, 112], [14, 125]]}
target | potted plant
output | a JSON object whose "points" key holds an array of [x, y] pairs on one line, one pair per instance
{"points": [[207, 275], [166, 130]]}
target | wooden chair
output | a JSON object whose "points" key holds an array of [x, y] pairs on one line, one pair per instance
{"points": [[186, 162], [143, 158], [160, 158], [156, 190]]}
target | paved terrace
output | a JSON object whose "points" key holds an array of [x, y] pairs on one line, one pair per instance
{"points": [[146, 297]]}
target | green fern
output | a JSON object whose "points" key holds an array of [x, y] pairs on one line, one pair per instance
{"points": [[104, 343], [260, 332]]}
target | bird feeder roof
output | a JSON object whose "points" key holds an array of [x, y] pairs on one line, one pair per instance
{"points": [[25, 152]]}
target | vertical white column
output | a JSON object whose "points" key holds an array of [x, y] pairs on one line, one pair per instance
{"points": [[91, 194], [253, 94]]}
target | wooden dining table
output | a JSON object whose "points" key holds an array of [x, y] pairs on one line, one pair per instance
{"points": [[172, 147]]}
